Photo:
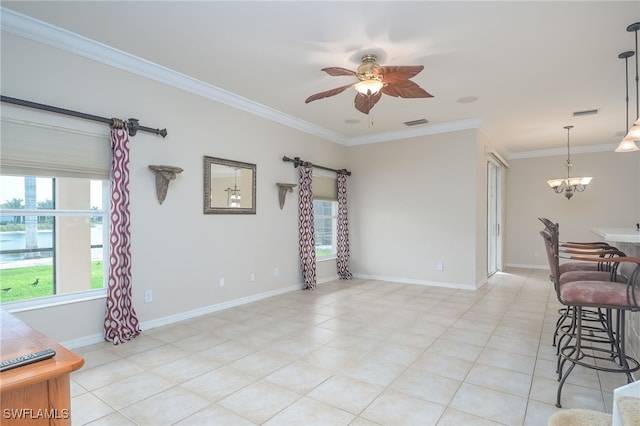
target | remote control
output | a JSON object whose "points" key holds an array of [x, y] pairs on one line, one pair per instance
{"points": [[26, 359]]}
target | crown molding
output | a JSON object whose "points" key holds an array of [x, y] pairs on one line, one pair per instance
{"points": [[561, 151], [42, 32], [451, 126]]}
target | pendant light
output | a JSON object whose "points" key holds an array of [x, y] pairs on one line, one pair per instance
{"points": [[569, 185], [628, 143]]}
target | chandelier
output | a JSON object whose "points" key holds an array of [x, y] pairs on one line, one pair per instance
{"points": [[234, 199], [569, 185]]}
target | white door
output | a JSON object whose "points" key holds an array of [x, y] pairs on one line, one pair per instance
{"points": [[493, 217]]}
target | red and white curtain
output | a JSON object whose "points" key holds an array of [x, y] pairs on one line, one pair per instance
{"points": [[343, 230], [121, 323], [307, 239]]}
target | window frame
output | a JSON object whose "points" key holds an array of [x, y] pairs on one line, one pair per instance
{"points": [[74, 296], [334, 229]]}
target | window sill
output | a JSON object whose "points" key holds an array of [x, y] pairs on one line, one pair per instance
{"points": [[324, 258], [58, 300]]}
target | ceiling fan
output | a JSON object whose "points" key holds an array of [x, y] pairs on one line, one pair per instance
{"points": [[374, 80]]}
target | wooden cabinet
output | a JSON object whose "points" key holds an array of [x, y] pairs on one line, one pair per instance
{"points": [[38, 393]]}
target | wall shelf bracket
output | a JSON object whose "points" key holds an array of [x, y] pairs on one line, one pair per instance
{"points": [[164, 174], [283, 188]]}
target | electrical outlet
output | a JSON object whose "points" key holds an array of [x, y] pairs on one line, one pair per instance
{"points": [[252, 277], [276, 272], [221, 281], [148, 296], [536, 254], [440, 266]]}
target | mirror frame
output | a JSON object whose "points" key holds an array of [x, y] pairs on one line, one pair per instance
{"points": [[208, 163]]}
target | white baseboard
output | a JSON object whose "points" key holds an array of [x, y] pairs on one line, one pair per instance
{"points": [[459, 286], [159, 322], [83, 341], [170, 319], [523, 266]]}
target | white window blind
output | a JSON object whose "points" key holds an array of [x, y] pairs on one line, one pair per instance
{"points": [[324, 187], [35, 148]]}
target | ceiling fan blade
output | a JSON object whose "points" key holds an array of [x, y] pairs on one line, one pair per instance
{"points": [[327, 93], [398, 73], [337, 71], [405, 89], [364, 103]]}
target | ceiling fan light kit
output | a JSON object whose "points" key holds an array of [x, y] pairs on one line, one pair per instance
{"points": [[375, 80], [368, 87], [370, 75], [369, 69]]}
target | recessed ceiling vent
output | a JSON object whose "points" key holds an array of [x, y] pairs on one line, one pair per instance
{"points": [[586, 112], [416, 122]]}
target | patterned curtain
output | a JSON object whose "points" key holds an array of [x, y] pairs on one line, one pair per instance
{"points": [[343, 230], [307, 239], [121, 323]]}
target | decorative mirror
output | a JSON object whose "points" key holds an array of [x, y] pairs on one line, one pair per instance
{"points": [[229, 186]]}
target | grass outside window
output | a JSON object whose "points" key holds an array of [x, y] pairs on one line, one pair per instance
{"points": [[20, 283]]}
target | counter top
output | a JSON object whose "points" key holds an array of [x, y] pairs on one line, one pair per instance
{"points": [[19, 339], [619, 235]]}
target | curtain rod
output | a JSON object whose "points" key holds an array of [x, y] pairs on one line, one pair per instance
{"points": [[298, 162], [132, 124]]}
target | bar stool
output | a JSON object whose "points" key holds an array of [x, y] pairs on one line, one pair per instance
{"points": [[614, 299], [554, 228], [599, 271]]}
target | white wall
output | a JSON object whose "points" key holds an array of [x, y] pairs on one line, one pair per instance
{"points": [[414, 204], [177, 252], [611, 200]]}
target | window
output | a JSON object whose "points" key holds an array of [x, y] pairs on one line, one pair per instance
{"points": [[54, 217], [325, 219], [53, 236]]}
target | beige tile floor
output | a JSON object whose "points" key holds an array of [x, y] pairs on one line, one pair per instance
{"points": [[356, 352]]}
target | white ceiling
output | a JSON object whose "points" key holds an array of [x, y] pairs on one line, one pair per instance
{"points": [[530, 65]]}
